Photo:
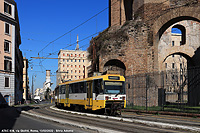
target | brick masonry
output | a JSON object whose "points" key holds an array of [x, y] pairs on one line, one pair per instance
{"points": [[137, 43]]}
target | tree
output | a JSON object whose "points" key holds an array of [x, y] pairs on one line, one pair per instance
{"points": [[47, 94]]}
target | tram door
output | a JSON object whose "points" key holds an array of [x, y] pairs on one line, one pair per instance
{"points": [[89, 93], [67, 94]]}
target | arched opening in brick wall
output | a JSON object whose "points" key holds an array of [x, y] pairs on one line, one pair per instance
{"points": [[115, 65], [173, 21], [179, 58], [185, 41], [179, 29], [175, 57], [176, 77]]}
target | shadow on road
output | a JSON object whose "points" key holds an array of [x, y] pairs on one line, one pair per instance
{"points": [[9, 115]]}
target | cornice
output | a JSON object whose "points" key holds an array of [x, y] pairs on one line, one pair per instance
{"points": [[11, 1], [6, 18]]}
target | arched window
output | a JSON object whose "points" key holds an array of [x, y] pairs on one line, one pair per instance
{"points": [[179, 29]]}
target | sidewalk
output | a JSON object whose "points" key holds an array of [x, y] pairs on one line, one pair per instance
{"points": [[145, 120], [164, 113], [167, 118]]}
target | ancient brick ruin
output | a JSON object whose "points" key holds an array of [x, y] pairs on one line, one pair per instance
{"points": [[136, 40]]}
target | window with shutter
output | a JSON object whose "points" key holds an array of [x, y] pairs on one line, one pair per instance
{"points": [[7, 82], [6, 46], [7, 65], [7, 29], [7, 8]]}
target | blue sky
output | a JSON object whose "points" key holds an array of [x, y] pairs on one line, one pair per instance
{"points": [[43, 21], [176, 30]]}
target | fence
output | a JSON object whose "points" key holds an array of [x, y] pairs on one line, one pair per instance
{"points": [[173, 89]]}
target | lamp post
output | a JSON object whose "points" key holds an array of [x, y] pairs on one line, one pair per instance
{"points": [[32, 89], [32, 84]]}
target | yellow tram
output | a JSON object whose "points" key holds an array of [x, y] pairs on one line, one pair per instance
{"points": [[105, 92]]}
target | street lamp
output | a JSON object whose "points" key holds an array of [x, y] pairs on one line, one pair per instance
{"points": [[32, 85], [33, 75]]}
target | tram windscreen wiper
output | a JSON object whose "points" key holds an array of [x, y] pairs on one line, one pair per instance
{"points": [[117, 94]]}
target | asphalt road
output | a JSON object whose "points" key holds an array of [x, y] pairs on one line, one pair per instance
{"points": [[27, 123], [100, 124], [11, 120], [30, 120]]}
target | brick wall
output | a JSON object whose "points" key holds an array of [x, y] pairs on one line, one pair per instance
{"points": [[117, 12], [135, 43]]}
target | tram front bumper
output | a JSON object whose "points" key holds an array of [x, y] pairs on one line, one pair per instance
{"points": [[116, 105]]}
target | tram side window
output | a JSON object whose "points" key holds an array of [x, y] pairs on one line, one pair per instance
{"points": [[98, 89], [62, 89], [82, 87], [76, 88], [70, 88]]}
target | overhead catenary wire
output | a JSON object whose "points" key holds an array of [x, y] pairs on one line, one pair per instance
{"points": [[70, 45], [71, 31], [52, 53], [81, 25], [78, 27], [42, 66], [75, 28]]}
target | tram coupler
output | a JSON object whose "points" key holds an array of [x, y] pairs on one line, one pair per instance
{"points": [[114, 108]]}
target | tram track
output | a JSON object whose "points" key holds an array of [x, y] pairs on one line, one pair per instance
{"points": [[114, 125]]}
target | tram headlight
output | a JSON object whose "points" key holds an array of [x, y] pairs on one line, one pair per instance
{"points": [[106, 97], [123, 98]]}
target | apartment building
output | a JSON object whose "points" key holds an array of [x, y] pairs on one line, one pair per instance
{"points": [[47, 84], [72, 64], [176, 72], [11, 60], [40, 92], [25, 80], [175, 61]]}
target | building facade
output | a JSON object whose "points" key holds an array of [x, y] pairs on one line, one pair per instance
{"points": [[11, 68], [175, 68], [175, 61], [40, 92], [47, 84], [25, 80], [72, 65]]}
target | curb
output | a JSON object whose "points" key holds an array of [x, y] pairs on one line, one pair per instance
{"points": [[64, 122], [149, 123], [163, 113]]}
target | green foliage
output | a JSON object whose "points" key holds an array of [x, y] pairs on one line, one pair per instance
{"points": [[154, 108], [47, 94], [168, 108], [182, 108]]}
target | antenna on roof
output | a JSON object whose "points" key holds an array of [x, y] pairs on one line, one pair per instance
{"points": [[77, 45]]}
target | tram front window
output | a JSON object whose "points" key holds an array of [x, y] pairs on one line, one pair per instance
{"points": [[112, 87]]}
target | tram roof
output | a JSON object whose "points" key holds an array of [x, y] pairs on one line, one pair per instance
{"points": [[97, 77]]}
